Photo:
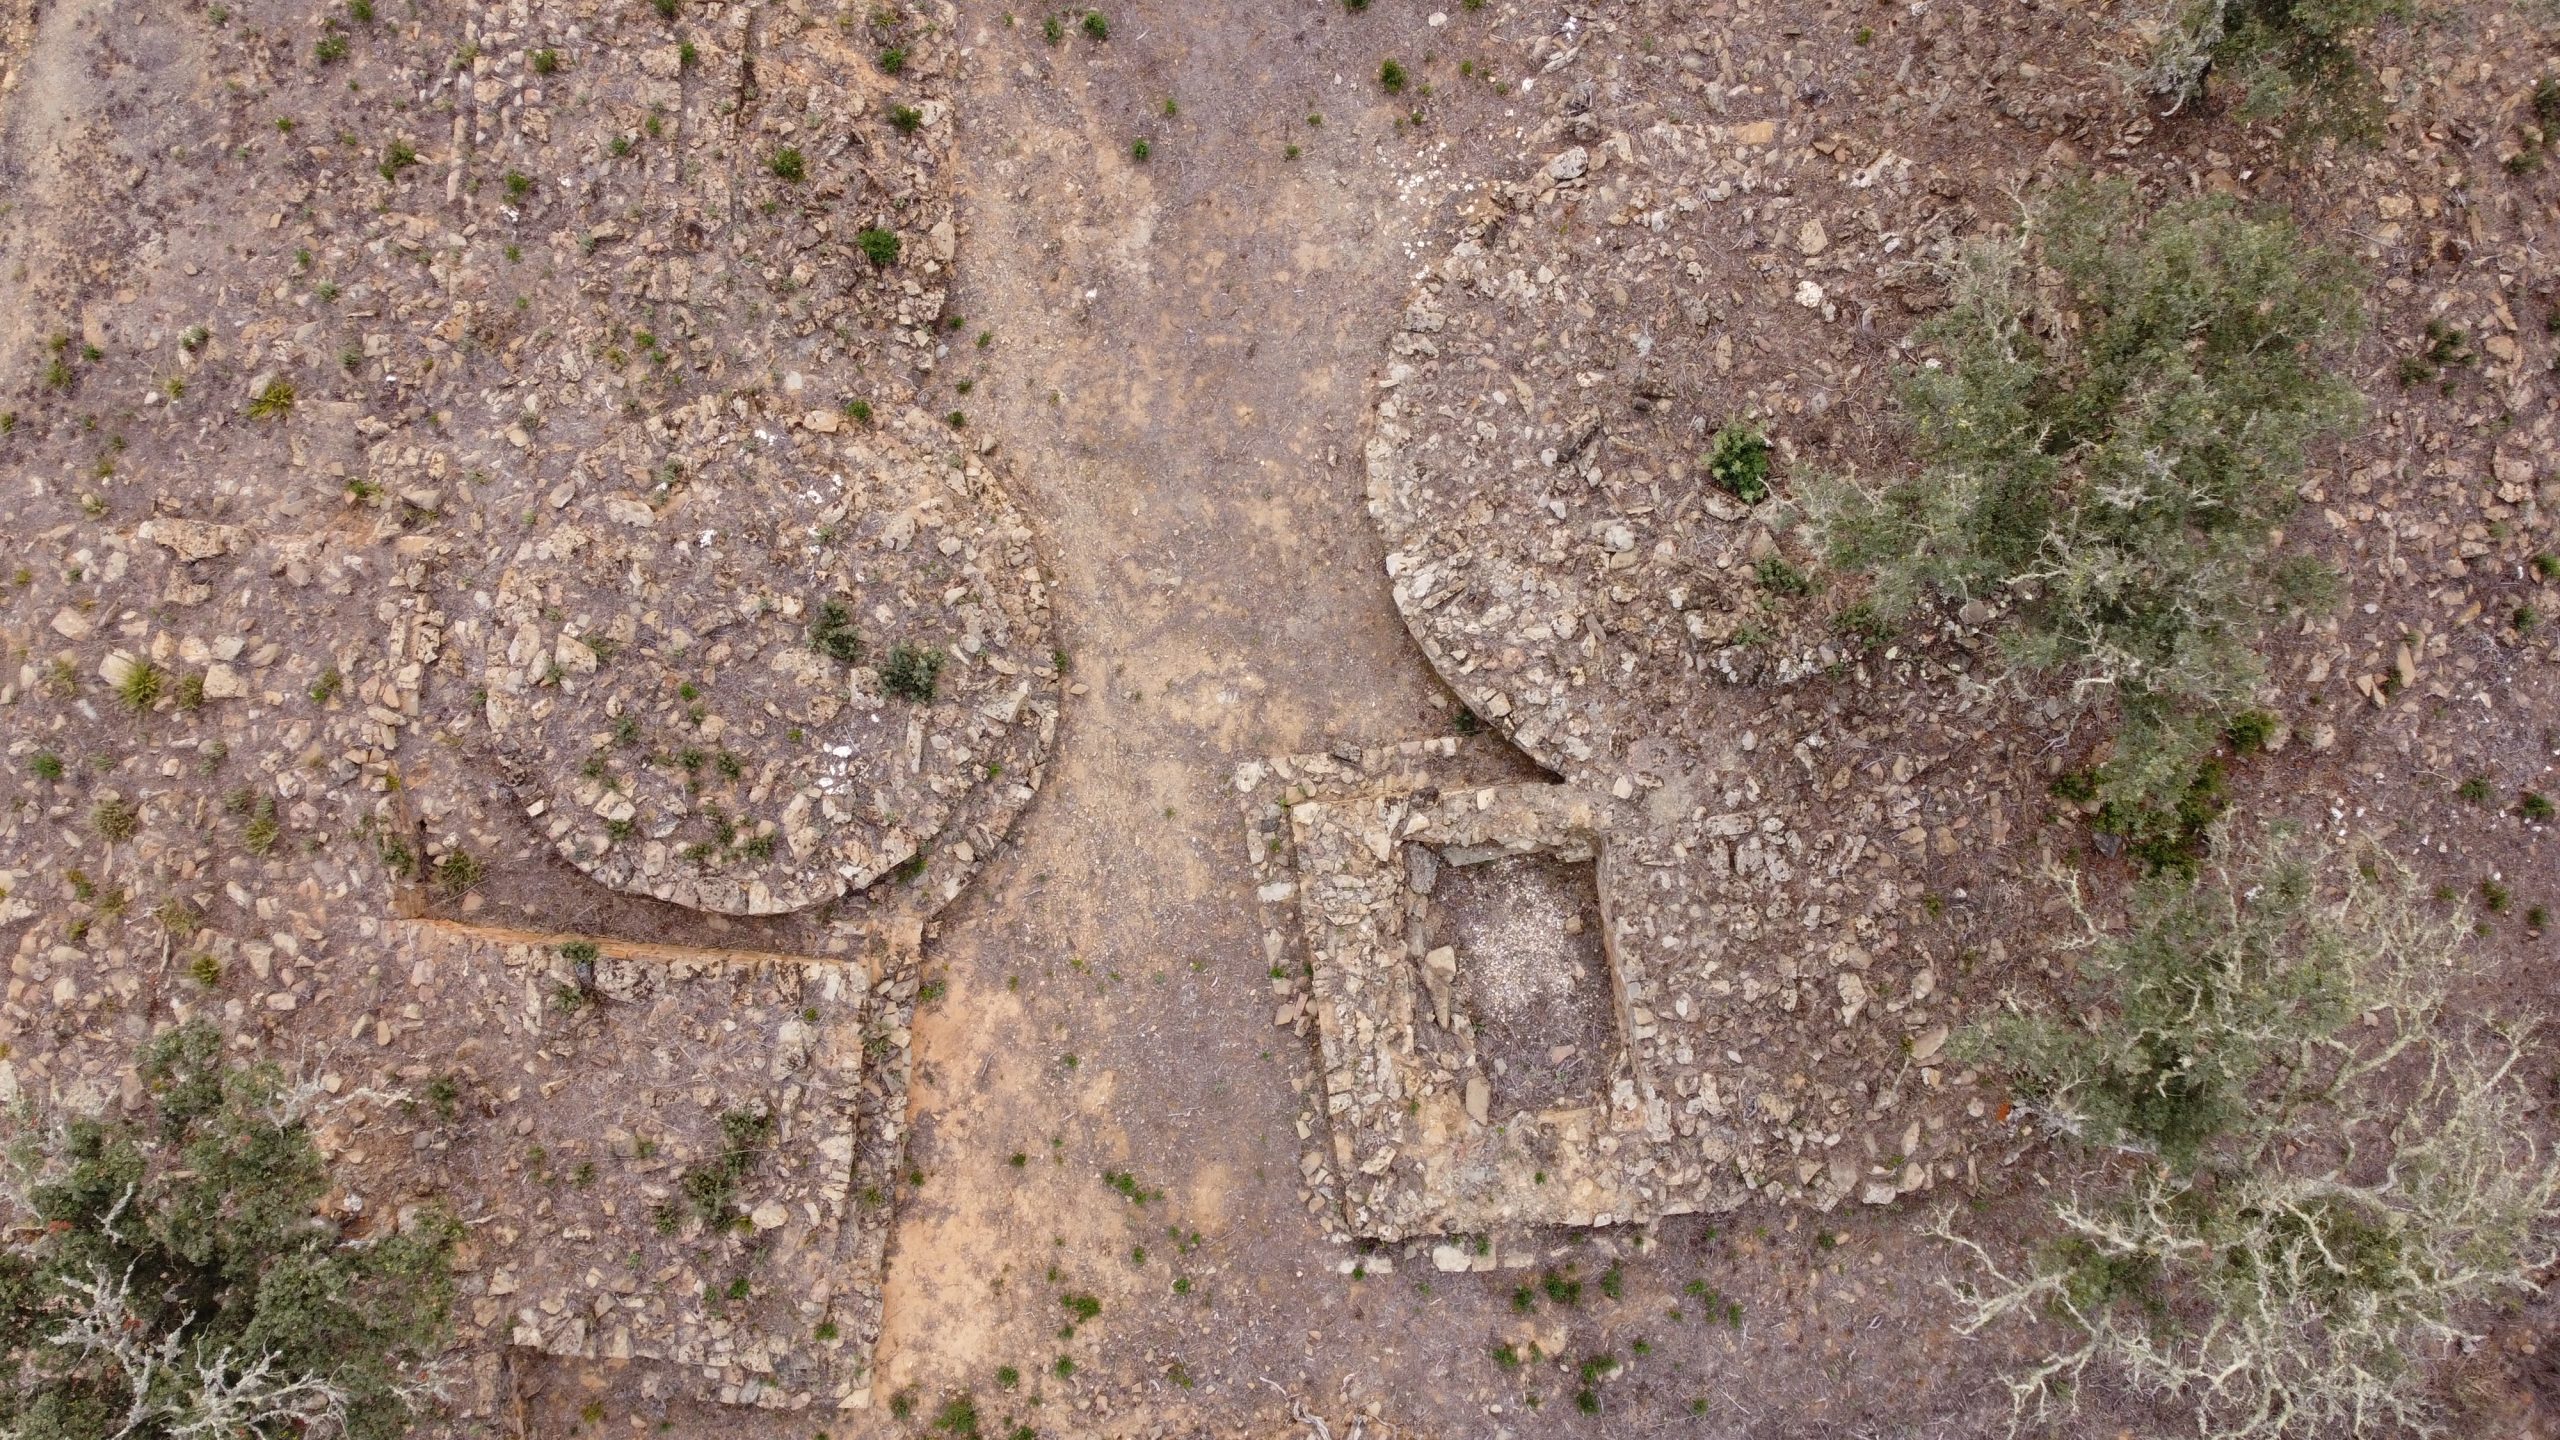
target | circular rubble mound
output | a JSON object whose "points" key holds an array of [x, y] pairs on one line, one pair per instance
{"points": [[765, 689], [1539, 463]]}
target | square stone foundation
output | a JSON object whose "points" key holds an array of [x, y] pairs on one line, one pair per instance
{"points": [[1535, 1004], [604, 1089]]}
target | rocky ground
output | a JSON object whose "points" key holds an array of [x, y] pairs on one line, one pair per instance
{"points": [[337, 335]]}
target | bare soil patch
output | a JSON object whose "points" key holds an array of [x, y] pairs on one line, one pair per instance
{"points": [[1533, 975]]}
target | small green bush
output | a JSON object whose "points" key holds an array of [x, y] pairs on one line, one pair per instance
{"points": [[116, 818], [878, 246], [457, 872], [1095, 27], [179, 1280], [910, 673], [1779, 577], [833, 635], [1391, 77], [1738, 461], [2108, 462], [788, 165], [711, 1187]]}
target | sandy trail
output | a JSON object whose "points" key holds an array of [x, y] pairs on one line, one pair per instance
{"points": [[1179, 349]]}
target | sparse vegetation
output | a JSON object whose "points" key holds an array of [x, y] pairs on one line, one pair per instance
{"points": [[399, 155], [115, 818], [711, 1186], [139, 686], [833, 635], [878, 246], [2319, 1164]]}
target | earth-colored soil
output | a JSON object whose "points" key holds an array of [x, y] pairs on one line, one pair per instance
{"points": [[1170, 359]]}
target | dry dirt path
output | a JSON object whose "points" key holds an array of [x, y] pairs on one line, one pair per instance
{"points": [[1179, 351]]}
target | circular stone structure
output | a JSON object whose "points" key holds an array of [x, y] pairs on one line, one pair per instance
{"points": [[767, 688], [1537, 462]]}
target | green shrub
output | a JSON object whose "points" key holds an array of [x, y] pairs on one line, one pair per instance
{"points": [[457, 872], [833, 635], [179, 1281], [879, 246], [2324, 1164], [1779, 577], [910, 673], [1738, 461], [788, 165], [1391, 77], [2290, 58], [260, 834], [2107, 461]]}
